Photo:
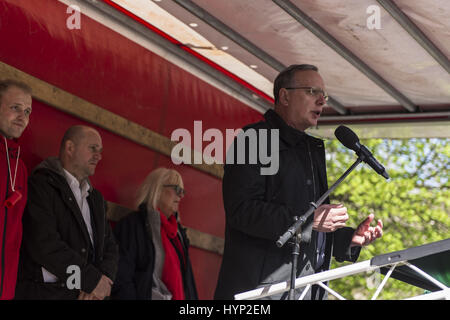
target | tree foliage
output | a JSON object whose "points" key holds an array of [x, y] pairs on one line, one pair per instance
{"points": [[414, 204]]}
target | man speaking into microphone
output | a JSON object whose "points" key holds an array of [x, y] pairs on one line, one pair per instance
{"points": [[260, 208]]}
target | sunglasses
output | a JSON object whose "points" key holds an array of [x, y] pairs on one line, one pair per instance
{"points": [[178, 190]]}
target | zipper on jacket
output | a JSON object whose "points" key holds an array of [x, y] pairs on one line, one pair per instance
{"points": [[312, 170], [317, 250], [316, 239]]}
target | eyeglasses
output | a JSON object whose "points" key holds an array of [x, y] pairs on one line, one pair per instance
{"points": [[178, 190], [316, 92]]}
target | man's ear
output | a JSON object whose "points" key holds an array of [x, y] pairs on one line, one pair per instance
{"points": [[283, 97], [69, 147]]}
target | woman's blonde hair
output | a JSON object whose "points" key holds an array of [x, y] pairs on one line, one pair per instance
{"points": [[150, 190]]}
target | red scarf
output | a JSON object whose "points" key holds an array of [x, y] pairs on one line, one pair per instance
{"points": [[171, 275]]}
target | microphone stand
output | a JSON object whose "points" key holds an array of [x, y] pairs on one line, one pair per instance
{"points": [[295, 228]]}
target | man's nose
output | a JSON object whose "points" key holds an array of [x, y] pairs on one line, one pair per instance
{"points": [[321, 100], [98, 156], [22, 115]]}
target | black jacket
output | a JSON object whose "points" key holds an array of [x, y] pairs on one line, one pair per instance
{"points": [[259, 208], [55, 237], [134, 279]]}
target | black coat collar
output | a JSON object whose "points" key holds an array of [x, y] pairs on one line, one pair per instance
{"points": [[287, 133]]}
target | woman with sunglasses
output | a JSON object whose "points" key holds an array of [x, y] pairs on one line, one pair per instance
{"points": [[154, 261]]}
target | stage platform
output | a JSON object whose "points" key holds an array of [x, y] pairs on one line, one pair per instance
{"points": [[426, 266]]}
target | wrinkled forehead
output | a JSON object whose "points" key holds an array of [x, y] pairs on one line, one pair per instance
{"points": [[308, 78], [15, 94], [91, 136], [174, 178]]}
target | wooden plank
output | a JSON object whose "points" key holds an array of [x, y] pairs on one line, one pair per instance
{"points": [[73, 105], [205, 241], [198, 239]]}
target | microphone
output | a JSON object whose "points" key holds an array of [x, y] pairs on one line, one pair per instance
{"points": [[350, 140]]}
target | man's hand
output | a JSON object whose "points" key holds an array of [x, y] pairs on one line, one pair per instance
{"points": [[330, 217], [103, 288], [86, 296], [365, 234]]}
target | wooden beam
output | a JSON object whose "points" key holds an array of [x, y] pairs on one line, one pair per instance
{"points": [[205, 241], [75, 106], [198, 239]]}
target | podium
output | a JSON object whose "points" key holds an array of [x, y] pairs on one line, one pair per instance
{"points": [[426, 266]]}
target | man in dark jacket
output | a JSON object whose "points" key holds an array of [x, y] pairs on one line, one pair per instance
{"points": [[68, 248], [15, 111], [260, 207]]}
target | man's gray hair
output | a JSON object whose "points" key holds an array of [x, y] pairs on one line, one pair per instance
{"points": [[284, 78]]}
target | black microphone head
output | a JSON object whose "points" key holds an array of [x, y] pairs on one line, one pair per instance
{"points": [[347, 137]]}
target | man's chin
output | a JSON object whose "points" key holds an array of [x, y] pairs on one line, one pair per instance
{"points": [[14, 134], [312, 123]]}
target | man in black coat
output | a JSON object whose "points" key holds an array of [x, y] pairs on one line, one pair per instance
{"points": [[68, 249], [261, 201]]}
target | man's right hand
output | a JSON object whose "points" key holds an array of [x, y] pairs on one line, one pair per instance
{"points": [[103, 288], [86, 296], [330, 217]]}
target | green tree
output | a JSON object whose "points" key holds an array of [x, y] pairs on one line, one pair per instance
{"points": [[414, 204]]}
